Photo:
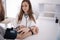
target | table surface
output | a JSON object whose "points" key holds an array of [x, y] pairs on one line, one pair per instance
{"points": [[47, 29]]}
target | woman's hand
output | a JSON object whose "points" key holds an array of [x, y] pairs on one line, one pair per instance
{"points": [[24, 30], [23, 34], [34, 29], [20, 27]]}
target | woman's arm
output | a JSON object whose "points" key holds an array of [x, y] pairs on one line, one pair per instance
{"points": [[25, 35], [26, 32], [34, 29], [20, 27]]}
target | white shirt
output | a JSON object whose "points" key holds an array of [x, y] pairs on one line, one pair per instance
{"points": [[23, 22]]}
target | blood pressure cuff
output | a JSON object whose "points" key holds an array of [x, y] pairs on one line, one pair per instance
{"points": [[10, 33]]}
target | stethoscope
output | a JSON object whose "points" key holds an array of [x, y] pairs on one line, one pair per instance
{"points": [[26, 16]]}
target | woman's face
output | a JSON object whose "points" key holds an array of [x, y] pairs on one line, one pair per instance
{"points": [[25, 7]]}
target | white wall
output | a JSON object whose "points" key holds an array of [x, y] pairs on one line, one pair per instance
{"points": [[50, 1], [13, 7]]}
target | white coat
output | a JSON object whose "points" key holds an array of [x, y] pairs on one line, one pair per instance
{"points": [[29, 23]]}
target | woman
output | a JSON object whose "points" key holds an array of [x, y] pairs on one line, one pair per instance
{"points": [[2, 12], [2, 17], [26, 21]]}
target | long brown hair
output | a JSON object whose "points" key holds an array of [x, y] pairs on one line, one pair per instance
{"points": [[2, 12], [30, 12]]}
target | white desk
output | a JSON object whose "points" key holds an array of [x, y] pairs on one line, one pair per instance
{"points": [[47, 29], [6, 21]]}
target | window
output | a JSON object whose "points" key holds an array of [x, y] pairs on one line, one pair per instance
{"points": [[12, 7]]}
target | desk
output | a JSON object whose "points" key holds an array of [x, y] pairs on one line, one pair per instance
{"points": [[7, 21], [47, 29]]}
